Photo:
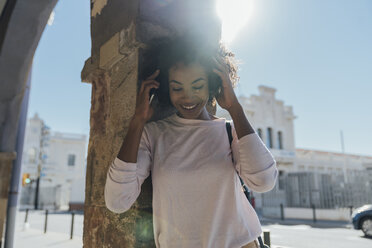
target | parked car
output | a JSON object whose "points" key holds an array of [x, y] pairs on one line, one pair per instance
{"points": [[362, 219]]}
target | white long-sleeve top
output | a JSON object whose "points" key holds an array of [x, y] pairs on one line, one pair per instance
{"points": [[198, 201]]}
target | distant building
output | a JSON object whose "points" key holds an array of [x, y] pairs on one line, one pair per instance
{"points": [[304, 174], [63, 158], [331, 162], [273, 122]]}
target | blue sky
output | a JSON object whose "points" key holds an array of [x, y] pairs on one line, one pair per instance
{"points": [[317, 54]]}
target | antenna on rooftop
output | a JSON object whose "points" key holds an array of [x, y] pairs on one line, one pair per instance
{"points": [[342, 142], [345, 157]]}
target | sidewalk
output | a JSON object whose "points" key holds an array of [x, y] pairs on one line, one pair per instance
{"points": [[58, 234], [34, 238], [58, 231], [318, 223]]}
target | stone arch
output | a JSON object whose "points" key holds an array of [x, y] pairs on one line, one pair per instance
{"points": [[22, 23]]}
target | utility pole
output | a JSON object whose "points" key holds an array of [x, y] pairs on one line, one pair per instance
{"points": [[345, 157], [43, 138]]}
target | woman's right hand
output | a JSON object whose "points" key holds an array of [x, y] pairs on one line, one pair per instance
{"points": [[144, 110]]}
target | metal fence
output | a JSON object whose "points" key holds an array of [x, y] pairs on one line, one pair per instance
{"points": [[307, 189], [69, 222], [49, 197]]}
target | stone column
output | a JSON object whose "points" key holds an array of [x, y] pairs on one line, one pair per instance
{"points": [[119, 29]]}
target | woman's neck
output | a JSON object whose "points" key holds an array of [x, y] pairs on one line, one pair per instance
{"points": [[204, 115]]}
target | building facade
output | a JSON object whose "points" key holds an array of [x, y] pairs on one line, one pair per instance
{"points": [[306, 177], [273, 122], [61, 158], [331, 162]]}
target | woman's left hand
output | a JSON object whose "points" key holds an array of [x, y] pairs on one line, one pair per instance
{"points": [[226, 98]]}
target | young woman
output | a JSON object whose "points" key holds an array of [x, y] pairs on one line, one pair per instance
{"points": [[197, 197]]}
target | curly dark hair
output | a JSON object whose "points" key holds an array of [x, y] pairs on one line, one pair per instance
{"points": [[164, 53]]}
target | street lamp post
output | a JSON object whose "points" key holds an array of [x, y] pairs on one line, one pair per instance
{"points": [[43, 139]]}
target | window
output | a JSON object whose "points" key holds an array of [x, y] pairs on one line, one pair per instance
{"points": [[280, 140], [71, 160], [259, 132], [269, 137], [31, 153]]}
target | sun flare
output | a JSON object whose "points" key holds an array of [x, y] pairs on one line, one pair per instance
{"points": [[234, 15]]}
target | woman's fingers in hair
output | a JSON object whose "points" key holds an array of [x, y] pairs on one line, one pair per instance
{"points": [[147, 82], [220, 64], [220, 73], [154, 75], [150, 85]]}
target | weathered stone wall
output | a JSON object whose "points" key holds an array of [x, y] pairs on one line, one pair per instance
{"points": [[26, 24], [119, 30]]}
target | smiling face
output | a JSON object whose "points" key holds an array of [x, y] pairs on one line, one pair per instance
{"points": [[188, 90]]}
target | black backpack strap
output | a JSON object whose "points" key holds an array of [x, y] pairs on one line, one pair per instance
{"points": [[229, 133], [245, 188]]}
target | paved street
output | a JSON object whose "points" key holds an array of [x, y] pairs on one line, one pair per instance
{"points": [[291, 234], [284, 234]]}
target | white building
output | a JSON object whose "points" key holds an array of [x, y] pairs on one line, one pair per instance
{"points": [[331, 162], [62, 168], [273, 121]]}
